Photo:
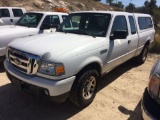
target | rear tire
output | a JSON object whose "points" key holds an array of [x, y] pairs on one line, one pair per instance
{"points": [[143, 56], [84, 88]]}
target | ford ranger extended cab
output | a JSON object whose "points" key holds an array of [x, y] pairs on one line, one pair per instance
{"points": [[70, 62], [10, 15], [31, 23]]}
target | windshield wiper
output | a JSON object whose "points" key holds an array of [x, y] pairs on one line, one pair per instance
{"points": [[87, 33]]}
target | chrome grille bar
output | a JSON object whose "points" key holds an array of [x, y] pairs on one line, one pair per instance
{"points": [[23, 62]]}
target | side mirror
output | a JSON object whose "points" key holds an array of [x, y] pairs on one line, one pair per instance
{"points": [[57, 27], [45, 26], [119, 34]]}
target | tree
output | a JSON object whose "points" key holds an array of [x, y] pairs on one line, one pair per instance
{"points": [[109, 1], [156, 16], [152, 6], [119, 4], [131, 8], [146, 3]]}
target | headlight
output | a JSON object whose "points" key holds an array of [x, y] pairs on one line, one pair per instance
{"points": [[154, 85], [51, 68]]}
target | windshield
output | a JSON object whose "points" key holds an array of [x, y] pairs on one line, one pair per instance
{"points": [[94, 24], [30, 20]]}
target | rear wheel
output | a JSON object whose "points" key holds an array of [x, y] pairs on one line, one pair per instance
{"points": [[143, 56], [84, 88]]}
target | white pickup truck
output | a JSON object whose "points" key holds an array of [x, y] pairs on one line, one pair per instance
{"points": [[70, 62], [10, 15], [31, 23]]}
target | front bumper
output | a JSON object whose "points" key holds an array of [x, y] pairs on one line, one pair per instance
{"points": [[150, 108], [55, 88]]}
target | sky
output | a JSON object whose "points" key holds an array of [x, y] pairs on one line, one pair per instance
{"points": [[138, 3]]}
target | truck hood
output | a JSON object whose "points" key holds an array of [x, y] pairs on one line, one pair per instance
{"points": [[14, 30], [57, 44]]}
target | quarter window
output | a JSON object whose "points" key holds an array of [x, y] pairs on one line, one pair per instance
{"points": [[17, 12], [4, 13], [132, 25], [119, 24]]}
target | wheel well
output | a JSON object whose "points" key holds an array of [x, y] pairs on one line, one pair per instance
{"points": [[148, 42], [94, 65]]}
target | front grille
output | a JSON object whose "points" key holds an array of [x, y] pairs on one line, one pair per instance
{"points": [[24, 62]]}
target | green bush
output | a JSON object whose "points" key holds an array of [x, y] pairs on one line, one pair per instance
{"points": [[155, 47]]}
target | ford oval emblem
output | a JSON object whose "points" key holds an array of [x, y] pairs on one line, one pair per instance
{"points": [[17, 61]]}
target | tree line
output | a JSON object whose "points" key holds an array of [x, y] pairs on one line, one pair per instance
{"points": [[149, 7]]}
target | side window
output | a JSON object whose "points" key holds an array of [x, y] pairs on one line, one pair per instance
{"points": [[64, 16], [54, 20], [119, 24], [142, 23], [149, 22], [17, 12], [4, 13], [132, 24]]}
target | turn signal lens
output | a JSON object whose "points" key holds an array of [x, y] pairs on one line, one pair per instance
{"points": [[154, 85], [59, 70]]}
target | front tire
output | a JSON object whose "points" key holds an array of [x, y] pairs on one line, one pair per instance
{"points": [[84, 88], [143, 56]]}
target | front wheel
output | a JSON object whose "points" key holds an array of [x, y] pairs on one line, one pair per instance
{"points": [[143, 56], [84, 88]]}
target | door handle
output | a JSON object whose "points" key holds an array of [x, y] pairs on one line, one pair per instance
{"points": [[11, 20], [129, 41]]}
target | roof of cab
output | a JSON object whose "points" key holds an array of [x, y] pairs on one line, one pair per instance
{"points": [[48, 13], [112, 12]]}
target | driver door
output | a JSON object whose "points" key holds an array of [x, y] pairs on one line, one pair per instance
{"points": [[117, 47]]}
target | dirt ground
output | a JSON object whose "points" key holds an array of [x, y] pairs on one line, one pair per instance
{"points": [[119, 98]]}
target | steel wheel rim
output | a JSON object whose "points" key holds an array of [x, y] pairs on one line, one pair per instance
{"points": [[144, 54], [89, 87]]}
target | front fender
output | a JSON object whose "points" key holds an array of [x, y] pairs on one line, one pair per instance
{"points": [[86, 62]]}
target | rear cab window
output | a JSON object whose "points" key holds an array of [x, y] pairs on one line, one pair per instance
{"points": [[17, 12], [4, 13]]}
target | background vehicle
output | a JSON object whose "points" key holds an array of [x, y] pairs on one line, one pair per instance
{"points": [[151, 97], [87, 45], [10, 15], [31, 23]]}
